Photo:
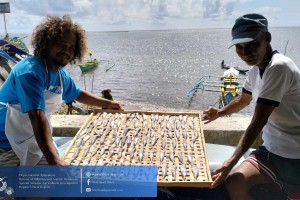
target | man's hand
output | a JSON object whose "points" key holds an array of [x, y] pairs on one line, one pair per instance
{"points": [[210, 114], [114, 106], [221, 174]]}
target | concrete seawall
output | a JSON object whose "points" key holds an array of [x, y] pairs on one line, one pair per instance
{"points": [[225, 130]]}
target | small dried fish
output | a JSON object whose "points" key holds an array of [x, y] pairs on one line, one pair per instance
{"points": [[183, 126], [141, 154], [144, 117], [104, 115], [196, 135], [126, 131], [170, 134], [77, 162], [105, 122], [168, 126], [108, 131], [174, 169], [137, 116], [152, 117], [75, 154], [144, 124], [163, 144], [162, 133], [185, 118], [191, 126], [85, 138], [98, 115], [93, 139], [192, 144], [177, 134], [153, 141], [102, 151], [152, 133], [112, 123], [153, 124], [180, 157], [190, 158], [115, 133], [171, 156], [128, 141], [99, 123], [79, 142], [172, 126], [162, 155], [120, 154], [137, 132], [84, 131], [177, 126], [164, 170], [123, 141], [184, 144], [101, 131], [86, 161], [86, 152], [151, 155], [145, 141], [111, 151], [118, 124], [132, 153], [136, 139], [95, 150], [167, 118], [127, 123], [132, 116], [174, 143], [195, 171], [101, 141], [183, 170], [180, 117], [109, 115], [117, 141], [112, 141], [136, 123], [146, 131], [184, 134]]}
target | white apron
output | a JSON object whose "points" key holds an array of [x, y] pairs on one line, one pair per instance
{"points": [[18, 128]]}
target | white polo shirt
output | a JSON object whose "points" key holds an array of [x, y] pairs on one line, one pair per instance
{"points": [[278, 86]]}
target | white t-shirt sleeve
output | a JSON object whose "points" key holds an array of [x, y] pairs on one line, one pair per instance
{"points": [[275, 82]]}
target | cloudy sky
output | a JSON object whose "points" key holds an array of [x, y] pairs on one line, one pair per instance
{"points": [[118, 15]]}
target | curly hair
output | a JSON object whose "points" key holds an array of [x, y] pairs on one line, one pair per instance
{"points": [[52, 29]]}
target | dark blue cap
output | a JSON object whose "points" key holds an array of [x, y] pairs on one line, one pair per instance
{"points": [[247, 27]]}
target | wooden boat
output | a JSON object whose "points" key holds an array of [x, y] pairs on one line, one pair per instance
{"points": [[89, 65], [227, 85]]}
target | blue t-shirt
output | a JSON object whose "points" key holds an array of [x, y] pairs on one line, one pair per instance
{"points": [[26, 84]]}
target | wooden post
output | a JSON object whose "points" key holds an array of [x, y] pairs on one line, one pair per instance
{"points": [[5, 25], [5, 8]]}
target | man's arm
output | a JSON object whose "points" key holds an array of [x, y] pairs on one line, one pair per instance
{"points": [[259, 120], [43, 137], [234, 106], [90, 99]]}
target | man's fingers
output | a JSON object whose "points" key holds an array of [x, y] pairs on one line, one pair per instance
{"points": [[218, 178]]}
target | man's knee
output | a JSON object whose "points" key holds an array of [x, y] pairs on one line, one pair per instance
{"points": [[236, 184]]}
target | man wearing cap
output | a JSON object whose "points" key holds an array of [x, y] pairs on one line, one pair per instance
{"points": [[273, 83]]}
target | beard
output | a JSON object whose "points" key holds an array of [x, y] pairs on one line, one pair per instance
{"points": [[62, 60]]}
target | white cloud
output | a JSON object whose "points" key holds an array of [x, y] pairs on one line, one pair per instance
{"points": [[135, 14], [267, 9]]}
